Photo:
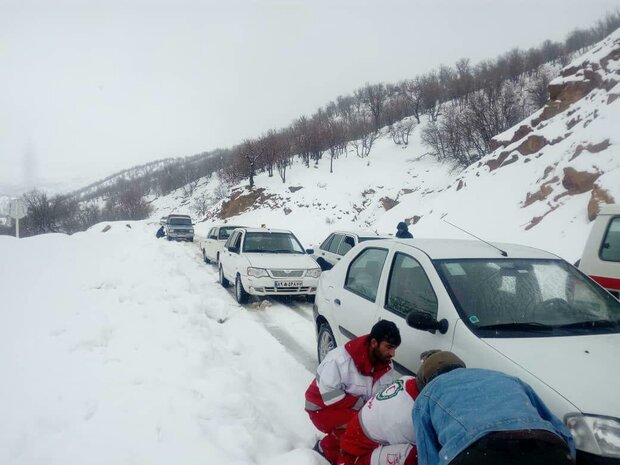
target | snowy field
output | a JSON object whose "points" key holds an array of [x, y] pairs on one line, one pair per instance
{"points": [[117, 348]]}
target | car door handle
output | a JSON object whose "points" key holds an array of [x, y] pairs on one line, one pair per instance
{"points": [[337, 258], [337, 301]]}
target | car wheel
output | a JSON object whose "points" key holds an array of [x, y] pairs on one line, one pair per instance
{"points": [[310, 298], [223, 281], [325, 342], [169, 238], [204, 257], [240, 294]]}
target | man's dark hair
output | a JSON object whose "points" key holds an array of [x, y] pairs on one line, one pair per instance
{"points": [[387, 331]]}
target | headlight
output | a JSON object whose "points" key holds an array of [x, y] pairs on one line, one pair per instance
{"points": [[257, 272], [596, 435], [313, 273]]}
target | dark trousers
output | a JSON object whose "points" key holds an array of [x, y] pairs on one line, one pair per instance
{"points": [[528, 447]]}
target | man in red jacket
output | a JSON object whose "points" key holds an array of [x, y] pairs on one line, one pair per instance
{"points": [[346, 379]]}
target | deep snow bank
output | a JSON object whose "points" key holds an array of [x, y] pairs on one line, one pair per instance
{"points": [[112, 351]]}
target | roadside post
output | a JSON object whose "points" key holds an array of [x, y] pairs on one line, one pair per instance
{"points": [[17, 211]]}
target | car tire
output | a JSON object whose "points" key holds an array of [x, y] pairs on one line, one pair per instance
{"points": [[240, 294], [204, 257], [169, 238], [310, 298], [325, 341], [223, 281]]}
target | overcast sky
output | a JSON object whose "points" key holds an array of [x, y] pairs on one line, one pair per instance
{"points": [[91, 87]]}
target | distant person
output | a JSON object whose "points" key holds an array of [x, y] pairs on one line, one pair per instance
{"points": [[346, 378], [471, 416], [402, 231], [160, 232]]}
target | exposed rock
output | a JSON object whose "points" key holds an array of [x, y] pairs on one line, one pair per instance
{"points": [[521, 133], [541, 194], [599, 196], [287, 211], [532, 145], [592, 148], [497, 162], [510, 161], [537, 219], [128, 226], [107, 228], [494, 144], [405, 191], [460, 185], [388, 203], [578, 182], [413, 220], [240, 201], [611, 98], [295, 188]]}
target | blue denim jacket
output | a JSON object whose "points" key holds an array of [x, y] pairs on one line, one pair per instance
{"points": [[461, 406]]}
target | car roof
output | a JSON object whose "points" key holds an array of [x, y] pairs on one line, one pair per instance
{"points": [[268, 230], [438, 249], [176, 215], [228, 226], [362, 233], [610, 209]]}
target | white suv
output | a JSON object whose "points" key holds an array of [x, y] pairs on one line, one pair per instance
{"points": [[504, 307], [338, 244], [213, 245], [267, 262]]}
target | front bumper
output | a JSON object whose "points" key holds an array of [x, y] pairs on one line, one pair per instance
{"points": [[267, 286]]}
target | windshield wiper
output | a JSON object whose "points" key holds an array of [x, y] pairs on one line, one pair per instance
{"points": [[524, 326], [590, 324]]}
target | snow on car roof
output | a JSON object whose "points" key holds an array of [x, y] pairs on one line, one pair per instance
{"points": [[457, 248], [269, 230], [362, 233]]}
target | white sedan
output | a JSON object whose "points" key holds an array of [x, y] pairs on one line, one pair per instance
{"points": [[267, 262], [504, 307]]}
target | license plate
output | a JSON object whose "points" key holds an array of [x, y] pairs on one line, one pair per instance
{"points": [[288, 283]]}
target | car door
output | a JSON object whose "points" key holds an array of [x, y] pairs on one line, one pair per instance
{"points": [[211, 244], [324, 247], [413, 285], [355, 302], [233, 256], [331, 254]]}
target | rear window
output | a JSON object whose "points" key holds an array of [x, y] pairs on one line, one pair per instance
{"points": [[610, 248], [226, 232]]}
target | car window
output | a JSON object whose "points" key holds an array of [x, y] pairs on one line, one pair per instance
{"points": [[231, 240], [610, 248], [211, 233], [364, 273], [180, 221], [272, 242], [238, 241], [347, 244], [225, 232], [326, 242], [535, 296], [409, 288], [335, 243]]}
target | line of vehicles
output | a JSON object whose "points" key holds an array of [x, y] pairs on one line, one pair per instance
{"points": [[516, 309]]}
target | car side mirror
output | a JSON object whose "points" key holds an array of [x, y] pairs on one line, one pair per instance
{"points": [[423, 321], [309, 251]]}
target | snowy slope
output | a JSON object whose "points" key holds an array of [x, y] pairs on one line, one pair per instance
{"points": [[116, 348], [541, 186]]}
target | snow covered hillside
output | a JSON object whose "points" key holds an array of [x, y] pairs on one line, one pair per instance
{"points": [[541, 186], [116, 348]]}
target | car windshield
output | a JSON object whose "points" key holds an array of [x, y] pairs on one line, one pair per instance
{"points": [[178, 221], [528, 297], [268, 242], [226, 232]]}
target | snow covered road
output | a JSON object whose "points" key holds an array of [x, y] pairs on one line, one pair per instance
{"points": [[117, 348]]}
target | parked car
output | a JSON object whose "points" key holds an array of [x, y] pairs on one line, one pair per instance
{"points": [[179, 228], [267, 262], [338, 244], [601, 254], [213, 244], [515, 309], [162, 220]]}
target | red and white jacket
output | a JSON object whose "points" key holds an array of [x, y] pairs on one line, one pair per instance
{"points": [[347, 379], [386, 419]]}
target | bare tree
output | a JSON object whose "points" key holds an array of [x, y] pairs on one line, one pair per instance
{"points": [[373, 97]]}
